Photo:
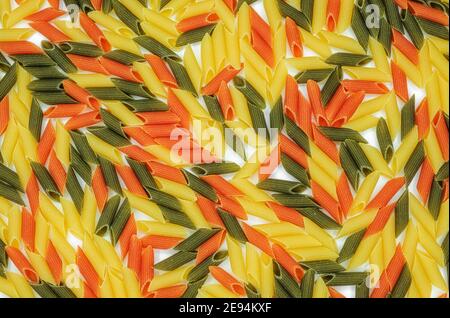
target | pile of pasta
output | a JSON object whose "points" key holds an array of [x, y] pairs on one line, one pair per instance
{"points": [[347, 106]]}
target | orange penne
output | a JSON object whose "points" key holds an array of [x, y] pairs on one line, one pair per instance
{"points": [[400, 82], [94, 32], [197, 21], [425, 180], [32, 192], [137, 153], [49, 31], [87, 291], [46, 15], [168, 292], [334, 293], [154, 118], [128, 232], [326, 201], [428, 13], [99, 188], [209, 247], [225, 101], [83, 120], [227, 280], [4, 113], [293, 38], [380, 220], [147, 271], [336, 102], [160, 242], [422, 119], [54, 262], [22, 264], [86, 63], [370, 87], [231, 4], [80, 94], [261, 27], [441, 131], [178, 108], [123, 71], [256, 238], [304, 111], [225, 75], [28, 229], [161, 70], [292, 150], [134, 255], [316, 102], [402, 3], [19, 47], [164, 171], [405, 46], [88, 272], [46, 143], [289, 264], [138, 134], [286, 214], [56, 170], [348, 108], [269, 165], [208, 209], [386, 193], [291, 94], [326, 145], [333, 14], [221, 185], [130, 179], [262, 48], [344, 195], [231, 206], [390, 275], [64, 110], [55, 3]]}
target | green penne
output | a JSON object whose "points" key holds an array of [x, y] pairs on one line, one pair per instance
{"points": [[385, 35], [403, 283], [282, 186], [34, 60], [62, 291], [107, 215], [202, 269], [360, 29], [294, 169], [213, 106], [132, 88], [280, 292], [344, 278], [123, 57], [341, 134], [249, 92], [120, 220], [86, 5], [251, 291], [82, 145], [193, 287], [307, 284], [200, 186], [442, 173], [54, 98], [146, 105], [4, 64], [112, 122], [444, 247], [81, 167], [277, 116], [127, 17], [297, 135], [359, 157], [413, 28], [165, 199], [307, 6], [10, 194], [393, 15], [45, 179], [232, 225], [414, 162], [235, 143], [3, 255], [58, 56], [349, 166], [348, 59], [142, 173], [350, 246], [299, 17], [315, 75], [362, 290], [8, 80], [205, 169], [35, 119], [435, 199], [108, 93], [176, 260], [434, 29], [258, 121], [46, 85], [384, 140], [110, 175], [79, 48], [182, 76], [195, 240], [156, 48], [43, 290], [74, 188], [194, 36], [44, 71], [323, 267], [408, 116], [331, 85], [402, 213], [295, 200], [10, 177], [321, 219], [286, 280], [109, 136], [176, 217], [107, 6]]}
